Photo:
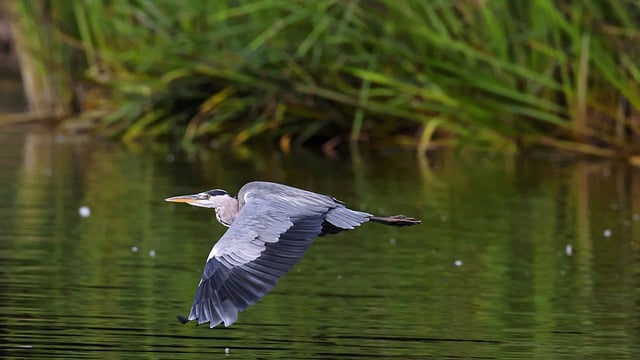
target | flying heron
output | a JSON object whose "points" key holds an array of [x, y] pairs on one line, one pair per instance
{"points": [[270, 227]]}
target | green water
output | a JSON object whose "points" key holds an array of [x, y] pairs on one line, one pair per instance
{"points": [[531, 257]]}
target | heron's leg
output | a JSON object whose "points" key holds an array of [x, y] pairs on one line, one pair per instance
{"points": [[396, 220]]}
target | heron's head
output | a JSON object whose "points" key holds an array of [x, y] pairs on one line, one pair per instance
{"points": [[213, 199]]}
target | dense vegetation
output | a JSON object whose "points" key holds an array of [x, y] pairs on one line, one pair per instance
{"points": [[496, 73]]}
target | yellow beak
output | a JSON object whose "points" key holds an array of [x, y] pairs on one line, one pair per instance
{"points": [[182, 198]]}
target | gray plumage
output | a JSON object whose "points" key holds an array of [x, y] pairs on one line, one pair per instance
{"points": [[270, 227]]}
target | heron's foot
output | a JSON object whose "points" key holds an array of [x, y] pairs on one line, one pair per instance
{"points": [[182, 319], [396, 220], [404, 219]]}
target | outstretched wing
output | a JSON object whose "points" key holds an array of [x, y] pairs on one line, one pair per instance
{"points": [[268, 237]]}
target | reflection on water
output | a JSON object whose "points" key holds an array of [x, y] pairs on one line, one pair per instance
{"points": [[527, 258]]}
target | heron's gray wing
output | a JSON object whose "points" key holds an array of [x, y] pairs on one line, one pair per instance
{"points": [[338, 218], [266, 239]]}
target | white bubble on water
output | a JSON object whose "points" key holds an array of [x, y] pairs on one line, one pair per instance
{"points": [[152, 253], [134, 249], [607, 233], [84, 211], [568, 250], [458, 263]]}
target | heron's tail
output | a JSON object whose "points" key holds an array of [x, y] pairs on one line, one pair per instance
{"points": [[396, 220]]}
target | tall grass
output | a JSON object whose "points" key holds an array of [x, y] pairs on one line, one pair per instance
{"points": [[497, 73], [44, 63]]}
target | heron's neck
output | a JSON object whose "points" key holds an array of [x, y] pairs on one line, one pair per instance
{"points": [[226, 213]]}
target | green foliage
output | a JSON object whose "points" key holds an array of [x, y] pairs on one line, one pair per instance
{"points": [[498, 72]]}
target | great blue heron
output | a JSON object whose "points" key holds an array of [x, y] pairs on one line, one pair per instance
{"points": [[270, 227]]}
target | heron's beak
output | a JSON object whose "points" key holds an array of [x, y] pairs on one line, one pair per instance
{"points": [[183, 199], [194, 200]]}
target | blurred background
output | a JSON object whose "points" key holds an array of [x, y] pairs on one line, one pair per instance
{"points": [[498, 74], [510, 128]]}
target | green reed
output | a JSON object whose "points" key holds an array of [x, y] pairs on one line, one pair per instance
{"points": [[503, 74]]}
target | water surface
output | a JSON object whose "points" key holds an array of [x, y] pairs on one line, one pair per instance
{"points": [[529, 257]]}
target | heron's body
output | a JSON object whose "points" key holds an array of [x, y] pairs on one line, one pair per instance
{"points": [[270, 227]]}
